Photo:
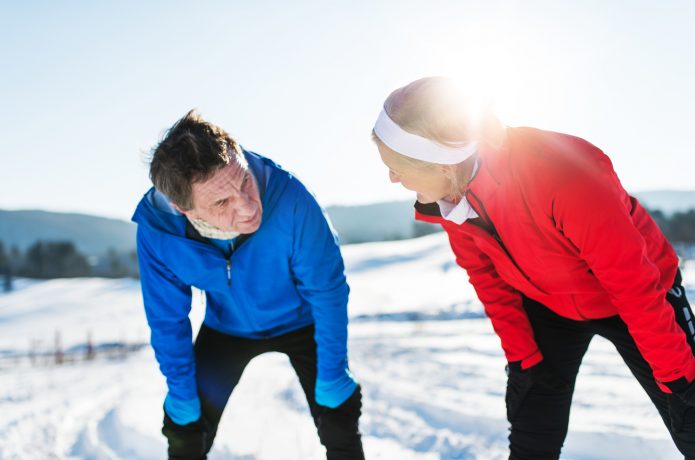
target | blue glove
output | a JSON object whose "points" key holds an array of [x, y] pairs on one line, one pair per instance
{"points": [[332, 393], [182, 411]]}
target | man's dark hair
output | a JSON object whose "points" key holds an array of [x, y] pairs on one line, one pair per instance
{"points": [[192, 151]]}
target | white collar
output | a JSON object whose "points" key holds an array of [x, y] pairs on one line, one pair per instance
{"points": [[459, 212]]}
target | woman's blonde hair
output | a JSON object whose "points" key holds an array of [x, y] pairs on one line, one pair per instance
{"points": [[435, 108]]}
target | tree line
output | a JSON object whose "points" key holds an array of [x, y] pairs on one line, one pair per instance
{"points": [[678, 228], [62, 259]]}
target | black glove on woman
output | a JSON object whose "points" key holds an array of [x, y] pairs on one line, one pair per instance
{"points": [[520, 381]]}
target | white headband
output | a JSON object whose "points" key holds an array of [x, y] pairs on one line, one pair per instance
{"points": [[418, 147]]}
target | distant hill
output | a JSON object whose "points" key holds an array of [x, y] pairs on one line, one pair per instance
{"points": [[373, 222], [94, 235]]}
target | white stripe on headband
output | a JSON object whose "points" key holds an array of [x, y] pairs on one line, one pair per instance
{"points": [[418, 147]]}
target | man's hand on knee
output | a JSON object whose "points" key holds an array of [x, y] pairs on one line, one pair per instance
{"points": [[188, 441], [186, 431]]}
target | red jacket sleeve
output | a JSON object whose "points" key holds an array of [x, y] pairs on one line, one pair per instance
{"points": [[502, 302], [594, 212]]}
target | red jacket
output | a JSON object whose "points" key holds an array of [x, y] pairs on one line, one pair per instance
{"points": [[557, 226]]}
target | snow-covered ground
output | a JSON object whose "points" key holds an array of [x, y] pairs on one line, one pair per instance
{"points": [[430, 366]]}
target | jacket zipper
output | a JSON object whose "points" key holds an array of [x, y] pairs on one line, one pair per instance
{"points": [[486, 218], [229, 264]]}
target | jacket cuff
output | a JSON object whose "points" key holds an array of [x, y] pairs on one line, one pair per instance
{"points": [[675, 386], [532, 360], [333, 393], [182, 411]]}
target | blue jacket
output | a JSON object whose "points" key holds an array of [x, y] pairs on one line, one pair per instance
{"points": [[287, 275]]}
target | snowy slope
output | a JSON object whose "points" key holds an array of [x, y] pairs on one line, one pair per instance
{"points": [[430, 366]]}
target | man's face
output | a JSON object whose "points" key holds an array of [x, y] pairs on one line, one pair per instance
{"points": [[229, 200]]}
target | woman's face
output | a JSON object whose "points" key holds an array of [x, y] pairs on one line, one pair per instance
{"points": [[430, 183]]}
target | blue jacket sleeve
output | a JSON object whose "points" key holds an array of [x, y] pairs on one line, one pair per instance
{"points": [[319, 274], [167, 305]]}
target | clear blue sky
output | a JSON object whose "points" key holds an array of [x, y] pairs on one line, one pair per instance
{"points": [[87, 88]]}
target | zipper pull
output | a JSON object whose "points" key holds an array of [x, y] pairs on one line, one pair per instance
{"points": [[229, 264]]}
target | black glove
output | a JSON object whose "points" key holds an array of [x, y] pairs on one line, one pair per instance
{"points": [[544, 374], [680, 402], [187, 441], [518, 384], [685, 392], [520, 381]]}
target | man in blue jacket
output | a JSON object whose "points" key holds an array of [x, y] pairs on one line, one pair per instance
{"points": [[235, 225]]}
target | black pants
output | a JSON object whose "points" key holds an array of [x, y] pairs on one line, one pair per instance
{"points": [[539, 422], [220, 361]]}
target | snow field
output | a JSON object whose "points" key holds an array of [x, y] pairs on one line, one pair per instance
{"points": [[433, 388]]}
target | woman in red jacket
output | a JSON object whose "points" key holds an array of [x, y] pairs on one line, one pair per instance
{"points": [[557, 252]]}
